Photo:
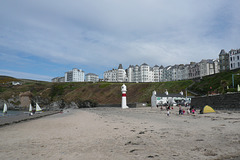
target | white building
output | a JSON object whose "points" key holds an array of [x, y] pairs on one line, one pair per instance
{"points": [[234, 59], [161, 68], [130, 73], [146, 73], [174, 70], [110, 76], [156, 73], [91, 77], [208, 67], [121, 74], [194, 70], [167, 74], [185, 72], [58, 79], [166, 98], [223, 61], [76, 75], [136, 73], [115, 75]]}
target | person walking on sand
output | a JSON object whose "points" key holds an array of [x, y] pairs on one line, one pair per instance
{"points": [[168, 112], [188, 111], [180, 109]]}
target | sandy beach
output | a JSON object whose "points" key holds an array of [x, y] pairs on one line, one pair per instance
{"points": [[123, 134]]}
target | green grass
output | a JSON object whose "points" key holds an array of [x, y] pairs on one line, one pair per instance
{"points": [[137, 92], [214, 81], [104, 85]]}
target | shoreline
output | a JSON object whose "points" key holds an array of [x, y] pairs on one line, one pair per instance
{"points": [[8, 120]]}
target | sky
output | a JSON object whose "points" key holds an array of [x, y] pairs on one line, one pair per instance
{"points": [[43, 39]]}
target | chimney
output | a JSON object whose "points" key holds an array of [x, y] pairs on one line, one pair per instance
{"points": [[154, 93], [166, 92]]}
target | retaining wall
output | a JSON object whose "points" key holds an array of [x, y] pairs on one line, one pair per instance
{"points": [[218, 102]]}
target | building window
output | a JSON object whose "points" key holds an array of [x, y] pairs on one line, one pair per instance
{"points": [[237, 57], [231, 58]]}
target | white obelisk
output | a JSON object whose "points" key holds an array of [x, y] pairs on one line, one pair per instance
{"points": [[124, 99]]}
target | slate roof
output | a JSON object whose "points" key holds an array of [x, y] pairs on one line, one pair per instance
{"points": [[120, 66], [161, 67], [91, 74], [170, 95], [144, 64], [222, 52]]}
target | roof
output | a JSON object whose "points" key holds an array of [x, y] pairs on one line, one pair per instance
{"points": [[222, 52], [161, 67], [131, 66], [144, 64], [120, 66], [170, 95], [91, 74]]}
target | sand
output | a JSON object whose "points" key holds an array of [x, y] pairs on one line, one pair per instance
{"points": [[123, 134]]}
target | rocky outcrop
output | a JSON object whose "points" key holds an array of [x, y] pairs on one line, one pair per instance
{"points": [[25, 99], [45, 104], [86, 104]]}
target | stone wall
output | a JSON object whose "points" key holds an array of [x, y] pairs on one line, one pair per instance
{"points": [[218, 102]]}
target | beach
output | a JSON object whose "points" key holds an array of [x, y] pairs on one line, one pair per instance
{"points": [[129, 134]]}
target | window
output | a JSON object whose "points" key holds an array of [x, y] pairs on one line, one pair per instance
{"points": [[237, 57]]}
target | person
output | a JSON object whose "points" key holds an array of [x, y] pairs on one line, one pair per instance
{"points": [[191, 107], [168, 107], [188, 111], [193, 111], [180, 109], [168, 112], [183, 111]]}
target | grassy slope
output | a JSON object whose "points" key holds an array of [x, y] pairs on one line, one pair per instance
{"points": [[102, 92], [110, 93], [214, 81]]}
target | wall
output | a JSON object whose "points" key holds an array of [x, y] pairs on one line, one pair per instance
{"points": [[218, 102]]}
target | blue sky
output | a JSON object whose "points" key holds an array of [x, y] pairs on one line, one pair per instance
{"points": [[43, 39]]}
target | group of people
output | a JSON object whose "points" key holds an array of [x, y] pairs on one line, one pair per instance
{"points": [[189, 110], [182, 111]]}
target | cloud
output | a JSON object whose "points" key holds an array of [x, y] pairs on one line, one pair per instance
{"points": [[106, 33], [24, 75]]}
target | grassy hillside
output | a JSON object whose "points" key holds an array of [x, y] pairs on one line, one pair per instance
{"points": [[110, 93], [102, 92], [6, 79], [217, 83]]}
